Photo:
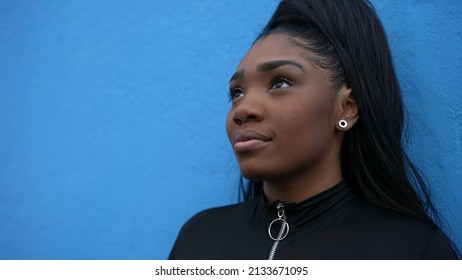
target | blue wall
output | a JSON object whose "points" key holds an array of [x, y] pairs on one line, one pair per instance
{"points": [[112, 117]]}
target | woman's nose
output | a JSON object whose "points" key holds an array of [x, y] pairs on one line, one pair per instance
{"points": [[247, 110]]}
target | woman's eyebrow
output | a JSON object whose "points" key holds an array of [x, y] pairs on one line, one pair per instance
{"points": [[237, 75], [270, 65]]}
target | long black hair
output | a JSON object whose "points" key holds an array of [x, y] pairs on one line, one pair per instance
{"points": [[347, 38]]}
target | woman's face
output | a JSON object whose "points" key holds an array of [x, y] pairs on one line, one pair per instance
{"points": [[283, 116]]}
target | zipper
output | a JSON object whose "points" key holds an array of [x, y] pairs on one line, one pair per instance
{"points": [[283, 231]]}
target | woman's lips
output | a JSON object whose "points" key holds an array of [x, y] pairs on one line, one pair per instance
{"points": [[249, 140], [249, 145]]}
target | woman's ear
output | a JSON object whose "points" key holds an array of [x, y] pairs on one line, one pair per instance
{"points": [[347, 109]]}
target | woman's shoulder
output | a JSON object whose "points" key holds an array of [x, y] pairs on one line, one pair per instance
{"points": [[398, 231], [206, 235]]}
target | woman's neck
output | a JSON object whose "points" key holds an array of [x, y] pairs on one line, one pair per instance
{"points": [[299, 188]]}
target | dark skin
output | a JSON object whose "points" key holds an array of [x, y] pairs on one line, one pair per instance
{"points": [[283, 123]]}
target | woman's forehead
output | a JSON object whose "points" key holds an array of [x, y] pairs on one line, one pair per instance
{"points": [[274, 47]]}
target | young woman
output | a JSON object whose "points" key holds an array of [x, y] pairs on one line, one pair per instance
{"points": [[316, 125]]}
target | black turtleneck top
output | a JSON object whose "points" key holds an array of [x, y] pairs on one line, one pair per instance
{"points": [[335, 224]]}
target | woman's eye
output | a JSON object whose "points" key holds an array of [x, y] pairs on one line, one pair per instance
{"points": [[281, 83], [235, 93]]}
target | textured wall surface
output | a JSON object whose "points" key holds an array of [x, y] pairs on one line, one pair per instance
{"points": [[112, 117]]}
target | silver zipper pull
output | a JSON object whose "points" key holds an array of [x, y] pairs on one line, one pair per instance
{"points": [[283, 231]]}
